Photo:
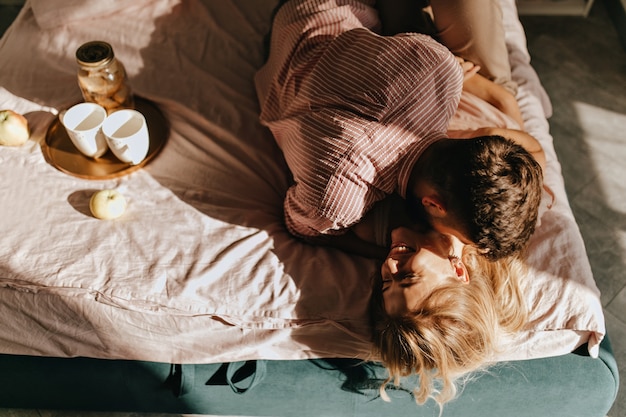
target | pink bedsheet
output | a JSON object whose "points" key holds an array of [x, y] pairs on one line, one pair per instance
{"points": [[201, 269]]}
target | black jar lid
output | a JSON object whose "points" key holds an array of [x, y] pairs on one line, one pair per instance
{"points": [[94, 53]]}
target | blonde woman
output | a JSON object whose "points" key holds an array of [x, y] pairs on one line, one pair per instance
{"points": [[439, 306], [442, 321]]}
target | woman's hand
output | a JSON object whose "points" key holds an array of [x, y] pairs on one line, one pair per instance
{"points": [[494, 94]]}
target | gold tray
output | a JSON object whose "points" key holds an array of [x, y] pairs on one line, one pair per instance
{"points": [[61, 153]]}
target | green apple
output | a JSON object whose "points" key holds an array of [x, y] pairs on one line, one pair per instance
{"points": [[13, 128], [107, 204]]}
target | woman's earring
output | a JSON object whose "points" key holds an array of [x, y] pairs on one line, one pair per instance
{"points": [[459, 269]]}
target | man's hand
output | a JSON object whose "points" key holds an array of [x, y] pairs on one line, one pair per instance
{"points": [[469, 68]]}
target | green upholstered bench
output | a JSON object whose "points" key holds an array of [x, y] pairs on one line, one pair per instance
{"points": [[569, 385]]}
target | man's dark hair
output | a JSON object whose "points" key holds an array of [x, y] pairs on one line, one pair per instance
{"points": [[492, 189]]}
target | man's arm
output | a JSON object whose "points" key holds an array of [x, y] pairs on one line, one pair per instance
{"points": [[494, 94]]}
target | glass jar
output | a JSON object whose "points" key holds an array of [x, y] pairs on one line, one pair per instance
{"points": [[102, 78]]}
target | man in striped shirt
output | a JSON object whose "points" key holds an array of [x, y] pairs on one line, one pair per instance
{"points": [[359, 116]]}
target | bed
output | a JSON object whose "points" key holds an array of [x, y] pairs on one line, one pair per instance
{"points": [[198, 300]]}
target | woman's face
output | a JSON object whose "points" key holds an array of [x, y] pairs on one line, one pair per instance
{"points": [[418, 262]]}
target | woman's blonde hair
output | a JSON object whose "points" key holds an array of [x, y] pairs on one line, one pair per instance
{"points": [[455, 331]]}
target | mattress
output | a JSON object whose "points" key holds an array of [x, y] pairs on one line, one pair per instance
{"points": [[201, 269]]}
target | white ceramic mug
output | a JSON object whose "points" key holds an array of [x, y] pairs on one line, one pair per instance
{"points": [[82, 123], [126, 133]]}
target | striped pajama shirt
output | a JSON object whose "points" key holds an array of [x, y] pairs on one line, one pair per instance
{"points": [[351, 110]]}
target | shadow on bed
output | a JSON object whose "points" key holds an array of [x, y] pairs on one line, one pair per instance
{"points": [[222, 122], [245, 181]]}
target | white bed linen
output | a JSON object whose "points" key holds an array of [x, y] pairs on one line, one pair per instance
{"points": [[201, 269]]}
